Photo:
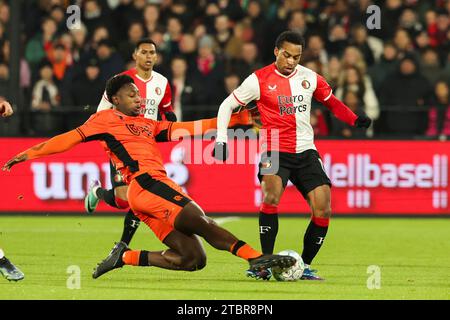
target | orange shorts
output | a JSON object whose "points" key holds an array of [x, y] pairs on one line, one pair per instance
{"points": [[157, 201]]}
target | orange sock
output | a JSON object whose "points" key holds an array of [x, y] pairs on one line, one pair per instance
{"points": [[131, 257], [243, 250]]}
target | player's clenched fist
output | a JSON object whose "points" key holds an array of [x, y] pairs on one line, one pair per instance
{"points": [[5, 109]]}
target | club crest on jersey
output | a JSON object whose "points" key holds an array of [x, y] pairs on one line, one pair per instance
{"points": [[306, 84], [158, 91], [137, 130]]}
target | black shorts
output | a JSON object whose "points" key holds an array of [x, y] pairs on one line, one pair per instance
{"points": [[116, 178], [305, 170]]}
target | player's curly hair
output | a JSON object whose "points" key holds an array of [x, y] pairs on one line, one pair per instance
{"points": [[114, 84], [289, 36]]}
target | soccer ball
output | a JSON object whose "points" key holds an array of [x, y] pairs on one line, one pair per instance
{"points": [[294, 273]]}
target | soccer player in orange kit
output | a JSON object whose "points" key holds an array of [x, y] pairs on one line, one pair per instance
{"points": [[157, 200]]}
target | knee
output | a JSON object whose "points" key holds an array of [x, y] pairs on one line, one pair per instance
{"points": [[272, 198], [322, 212], [193, 262]]}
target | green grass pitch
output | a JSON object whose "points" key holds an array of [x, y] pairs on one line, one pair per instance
{"points": [[412, 256]]}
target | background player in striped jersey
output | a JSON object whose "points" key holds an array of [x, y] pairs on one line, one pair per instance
{"points": [[156, 104], [283, 92]]}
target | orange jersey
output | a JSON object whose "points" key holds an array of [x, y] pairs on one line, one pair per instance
{"points": [[129, 141]]}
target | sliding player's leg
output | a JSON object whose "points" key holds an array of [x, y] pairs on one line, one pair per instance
{"points": [[192, 219], [185, 252], [161, 198]]}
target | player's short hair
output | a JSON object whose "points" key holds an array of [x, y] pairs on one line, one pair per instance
{"points": [[114, 84], [144, 41], [291, 37]]}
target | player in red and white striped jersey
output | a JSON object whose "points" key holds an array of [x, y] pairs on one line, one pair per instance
{"points": [[156, 104], [283, 92]]}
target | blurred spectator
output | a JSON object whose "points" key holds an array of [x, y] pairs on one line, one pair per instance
{"points": [[233, 48], [314, 65], [353, 57], [422, 41], [442, 34], [110, 61], [223, 33], [58, 14], [232, 81], [370, 47], [390, 15], [45, 98], [430, 65], [332, 71], [135, 33], [337, 40], [36, 48], [185, 91], [210, 72], [343, 130], [184, 10], [439, 114], [352, 80], [100, 33], [340, 15], [247, 62], [80, 45], [231, 8], [94, 15], [407, 91], [151, 18], [58, 57], [132, 12], [4, 13], [87, 89], [258, 24], [410, 22], [403, 42], [188, 48], [315, 49], [25, 72], [45, 94], [297, 22], [387, 65], [66, 40], [172, 37]]}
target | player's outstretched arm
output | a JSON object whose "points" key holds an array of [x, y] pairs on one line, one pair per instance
{"points": [[6, 109], [177, 130], [57, 144]]}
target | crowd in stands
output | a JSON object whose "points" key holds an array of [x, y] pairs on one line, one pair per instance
{"points": [[398, 75]]}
